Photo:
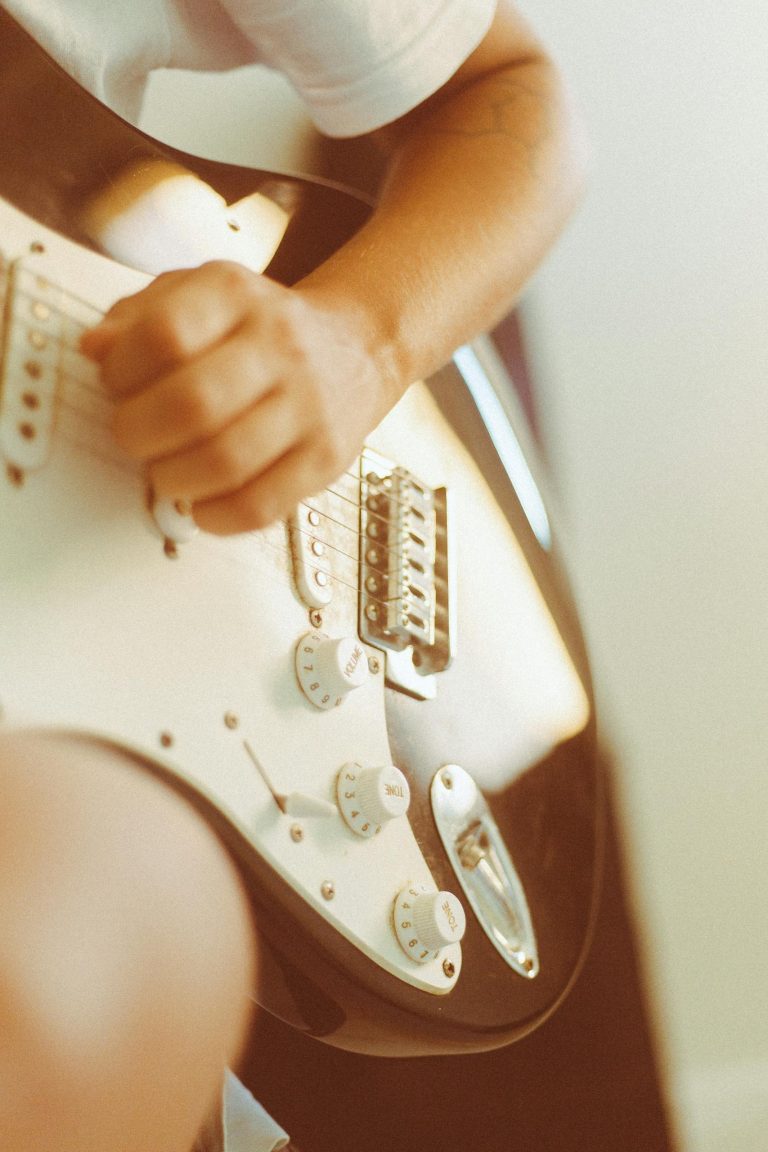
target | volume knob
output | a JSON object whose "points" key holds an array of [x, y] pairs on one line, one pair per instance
{"points": [[370, 797], [328, 669], [426, 921]]}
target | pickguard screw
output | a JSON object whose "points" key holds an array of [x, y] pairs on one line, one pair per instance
{"points": [[166, 740], [297, 835], [373, 665], [231, 720], [449, 969], [328, 889], [170, 549], [316, 618], [36, 247]]}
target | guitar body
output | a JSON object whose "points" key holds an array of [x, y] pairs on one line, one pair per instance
{"points": [[189, 649]]}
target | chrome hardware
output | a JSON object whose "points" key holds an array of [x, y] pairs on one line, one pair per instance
{"points": [[30, 371], [311, 564], [405, 574], [41, 361], [484, 867]]}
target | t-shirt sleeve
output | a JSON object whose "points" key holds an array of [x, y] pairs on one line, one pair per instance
{"points": [[359, 65]]}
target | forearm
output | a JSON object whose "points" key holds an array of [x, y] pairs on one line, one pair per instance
{"points": [[476, 192], [241, 396]]}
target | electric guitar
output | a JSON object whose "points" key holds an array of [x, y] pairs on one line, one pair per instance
{"points": [[383, 704]]}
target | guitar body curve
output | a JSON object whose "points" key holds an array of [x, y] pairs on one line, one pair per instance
{"points": [[186, 652]]}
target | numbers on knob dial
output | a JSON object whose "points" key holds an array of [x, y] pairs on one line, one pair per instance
{"points": [[426, 921], [328, 669], [370, 797]]}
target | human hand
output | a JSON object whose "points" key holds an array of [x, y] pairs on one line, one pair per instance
{"points": [[240, 396]]}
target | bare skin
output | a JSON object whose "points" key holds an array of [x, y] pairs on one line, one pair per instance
{"points": [[126, 947], [126, 951], [242, 397]]}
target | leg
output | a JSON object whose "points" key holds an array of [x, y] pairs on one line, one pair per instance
{"points": [[126, 954]]}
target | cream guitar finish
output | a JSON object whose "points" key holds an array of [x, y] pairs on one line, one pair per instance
{"points": [[214, 659], [187, 658]]}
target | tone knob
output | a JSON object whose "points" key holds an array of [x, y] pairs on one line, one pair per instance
{"points": [[369, 797], [426, 921], [330, 668]]}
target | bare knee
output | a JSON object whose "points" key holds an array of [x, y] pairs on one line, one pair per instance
{"points": [[125, 948]]}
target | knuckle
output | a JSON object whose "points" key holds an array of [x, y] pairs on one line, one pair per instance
{"points": [[252, 509], [166, 333], [225, 463], [233, 278], [288, 334], [260, 514], [330, 451], [195, 408]]}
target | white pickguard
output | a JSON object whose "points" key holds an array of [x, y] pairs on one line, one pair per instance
{"points": [[189, 661]]}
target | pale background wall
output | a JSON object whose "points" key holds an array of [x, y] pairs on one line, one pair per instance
{"points": [[649, 342]]}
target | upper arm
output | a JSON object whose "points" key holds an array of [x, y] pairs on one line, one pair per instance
{"points": [[509, 42]]}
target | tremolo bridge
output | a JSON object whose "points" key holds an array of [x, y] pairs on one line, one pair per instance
{"points": [[382, 531], [406, 584]]}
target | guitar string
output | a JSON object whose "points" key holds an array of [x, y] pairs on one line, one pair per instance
{"points": [[93, 417], [135, 472], [220, 544], [120, 462], [129, 468], [61, 343], [71, 382]]}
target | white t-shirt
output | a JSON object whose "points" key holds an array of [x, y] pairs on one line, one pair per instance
{"points": [[357, 64]]}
